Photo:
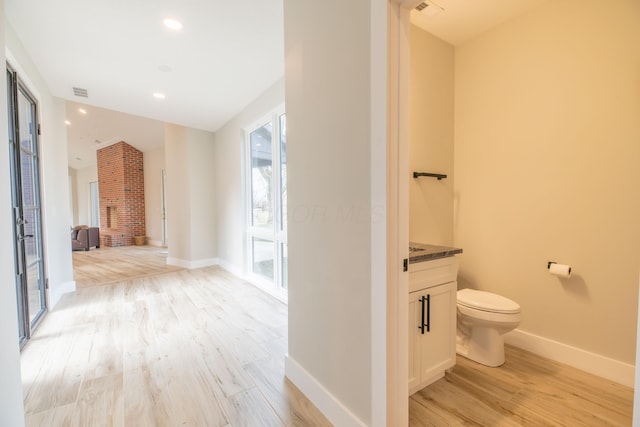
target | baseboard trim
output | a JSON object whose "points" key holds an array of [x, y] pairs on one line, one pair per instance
{"points": [[56, 292], [199, 263], [231, 268], [255, 281], [157, 243], [328, 404], [605, 367]]}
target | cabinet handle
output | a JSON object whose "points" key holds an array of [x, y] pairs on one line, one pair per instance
{"points": [[426, 299], [428, 313]]}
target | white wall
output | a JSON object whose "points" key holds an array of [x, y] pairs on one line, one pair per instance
{"points": [[154, 164], [331, 221], [189, 154], [73, 196], [546, 169], [431, 122], [202, 205], [11, 403], [229, 186], [83, 177], [54, 173], [177, 195]]}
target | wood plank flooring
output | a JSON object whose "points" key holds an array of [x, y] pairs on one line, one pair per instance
{"points": [[527, 390], [203, 348], [183, 348], [109, 265]]}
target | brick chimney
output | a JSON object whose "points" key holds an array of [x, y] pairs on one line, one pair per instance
{"points": [[121, 188]]}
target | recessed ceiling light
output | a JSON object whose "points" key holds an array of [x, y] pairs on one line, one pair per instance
{"points": [[82, 111], [67, 122], [159, 95], [172, 24]]}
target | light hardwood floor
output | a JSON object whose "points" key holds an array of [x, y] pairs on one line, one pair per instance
{"points": [[110, 265], [527, 390], [189, 347], [204, 348]]}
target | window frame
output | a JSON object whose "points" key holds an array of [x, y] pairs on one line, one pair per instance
{"points": [[276, 233]]}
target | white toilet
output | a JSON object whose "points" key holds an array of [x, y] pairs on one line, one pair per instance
{"points": [[483, 319]]}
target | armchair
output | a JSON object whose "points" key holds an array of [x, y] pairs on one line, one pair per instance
{"points": [[83, 238]]}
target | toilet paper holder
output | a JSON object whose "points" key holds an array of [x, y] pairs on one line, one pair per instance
{"points": [[550, 263]]}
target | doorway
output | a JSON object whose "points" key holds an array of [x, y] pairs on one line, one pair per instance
{"points": [[24, 130]]}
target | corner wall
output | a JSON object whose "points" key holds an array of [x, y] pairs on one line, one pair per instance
{"points": [[333, 223], [189, 154], [546, 165]]}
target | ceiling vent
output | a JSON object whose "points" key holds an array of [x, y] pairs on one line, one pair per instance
{"points": [[429, 8], [78, 91]]}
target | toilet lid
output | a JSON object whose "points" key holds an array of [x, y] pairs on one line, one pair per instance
{"points": [[486, 301]]}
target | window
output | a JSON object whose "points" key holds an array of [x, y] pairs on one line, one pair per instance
{"points": [[266, 189], [94, 204]]}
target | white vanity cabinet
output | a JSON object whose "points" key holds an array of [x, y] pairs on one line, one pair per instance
{"points": [[432, 320]]}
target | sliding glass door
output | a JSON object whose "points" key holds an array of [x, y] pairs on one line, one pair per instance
{"points": [[25, 180], [267, 201]]}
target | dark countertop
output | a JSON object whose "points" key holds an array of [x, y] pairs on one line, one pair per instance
{"points": [[420, 252]]}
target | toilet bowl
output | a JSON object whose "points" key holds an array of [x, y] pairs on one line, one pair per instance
{"points": [[483, 319]]}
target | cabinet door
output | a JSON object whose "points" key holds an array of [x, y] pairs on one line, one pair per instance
{"points": [[433, 350], [438, 345]]}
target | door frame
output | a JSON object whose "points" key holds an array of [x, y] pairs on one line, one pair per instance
{"points": [[398, 67], [15, 84]]}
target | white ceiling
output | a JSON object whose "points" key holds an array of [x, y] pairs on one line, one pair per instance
{"points": [[226, 55], [99, 128]]}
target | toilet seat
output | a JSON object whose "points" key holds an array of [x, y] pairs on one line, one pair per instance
{"points": [[486, 301]]}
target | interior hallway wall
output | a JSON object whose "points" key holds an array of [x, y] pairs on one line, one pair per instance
{"points": [[431, 123], [189, 154], [546, 169], [11, 403], [336, 175]]}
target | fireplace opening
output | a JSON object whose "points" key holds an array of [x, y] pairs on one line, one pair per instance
{"points": [[112, 217]]}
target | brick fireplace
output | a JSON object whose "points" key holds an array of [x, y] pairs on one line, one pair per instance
{"points": [[121, 188]]}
